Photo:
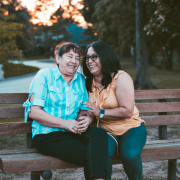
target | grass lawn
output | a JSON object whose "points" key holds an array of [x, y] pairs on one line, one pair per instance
{"points": [[12, 70], [161, 78]]}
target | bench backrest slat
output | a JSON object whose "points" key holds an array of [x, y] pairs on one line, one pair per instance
{"points": [[158, 107], [11, 112], [25, 128], [13, 98], [19, 98], [15, 128], [157, 94], [160, 120]]}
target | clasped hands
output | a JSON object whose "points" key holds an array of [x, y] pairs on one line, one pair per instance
{"points": [[78, 126], [81, 124]]}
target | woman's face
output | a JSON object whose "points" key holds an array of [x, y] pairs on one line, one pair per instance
{"points": [[93, 66], [68, 63]]}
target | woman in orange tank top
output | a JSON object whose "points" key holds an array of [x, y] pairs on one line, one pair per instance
{"points": [[111, 100]]}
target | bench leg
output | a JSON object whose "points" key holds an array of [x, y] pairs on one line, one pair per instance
{"points": [[35, 175], [172, 169]]}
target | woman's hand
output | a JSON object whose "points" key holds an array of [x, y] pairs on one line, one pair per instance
{"points": [[83, 123], [93, 109], [71, 125]]}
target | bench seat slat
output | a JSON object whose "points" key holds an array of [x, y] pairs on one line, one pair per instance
{"points": [[19, 151], [15, 128], [11, 112], [26, 162], [160, 120], [158, 107], [13, 98], [157, 94]]}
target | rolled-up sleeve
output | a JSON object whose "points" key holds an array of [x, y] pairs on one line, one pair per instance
{"points": [[38, 87]]}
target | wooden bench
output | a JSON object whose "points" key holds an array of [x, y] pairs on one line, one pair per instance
{"points": [[29, 160]]}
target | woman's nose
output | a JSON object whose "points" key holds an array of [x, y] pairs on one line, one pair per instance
{"points": [[90, 60], [73, 60]]}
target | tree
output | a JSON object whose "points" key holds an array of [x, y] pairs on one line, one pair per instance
{"points": [[9, 30], [87, 11], [22, 16], [114, 22], [164, 24], [48, 36], [142, 79]]}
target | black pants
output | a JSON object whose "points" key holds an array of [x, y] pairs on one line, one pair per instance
{"points": [[130, 145], [89, 149]]}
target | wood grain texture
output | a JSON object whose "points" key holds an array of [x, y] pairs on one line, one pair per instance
{"points": [[19, 151], [11, 112], [157, 94], [13, 98], [25, 162], [15, 128], [25, 128], [159, 120], [158, 107]]}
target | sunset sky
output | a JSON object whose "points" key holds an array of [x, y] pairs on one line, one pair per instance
{"points": [[44, 16]]}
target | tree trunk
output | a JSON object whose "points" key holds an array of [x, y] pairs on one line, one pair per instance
{"points": [[170, 57], [142, 79]]}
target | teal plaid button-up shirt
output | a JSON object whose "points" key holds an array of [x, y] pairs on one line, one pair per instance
{"points": [[56, 97]]}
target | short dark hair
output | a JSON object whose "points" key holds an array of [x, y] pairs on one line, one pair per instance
{"points": [[65, 47], [109, 61]]}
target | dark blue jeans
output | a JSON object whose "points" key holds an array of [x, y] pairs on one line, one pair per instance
{"points": [[130, 145]]}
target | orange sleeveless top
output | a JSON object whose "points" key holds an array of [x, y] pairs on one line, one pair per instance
{"points": [[106, 99]]}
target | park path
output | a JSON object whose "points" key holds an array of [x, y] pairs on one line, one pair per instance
{"points": [[21, 84]]}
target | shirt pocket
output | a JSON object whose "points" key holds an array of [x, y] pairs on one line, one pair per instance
{"points": [[78, 96], [56, 95]]}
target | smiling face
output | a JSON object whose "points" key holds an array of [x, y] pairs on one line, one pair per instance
{"points": [[93, 66], [68, 63]]}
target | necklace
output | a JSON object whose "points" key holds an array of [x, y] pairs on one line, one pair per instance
{"points": [[100, 90]]}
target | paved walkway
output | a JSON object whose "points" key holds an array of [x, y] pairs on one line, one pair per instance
{"points": [[22, 83]]}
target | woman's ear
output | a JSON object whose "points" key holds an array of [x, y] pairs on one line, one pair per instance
{"points": [[57, 58]]}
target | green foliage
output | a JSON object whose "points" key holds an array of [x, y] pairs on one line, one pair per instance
{"points": [[166, 17], [9, 30], [164, 28], [22, 16], [115, 23]]}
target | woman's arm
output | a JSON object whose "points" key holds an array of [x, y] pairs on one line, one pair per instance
{"points": [[125, 98], [46, 119]]}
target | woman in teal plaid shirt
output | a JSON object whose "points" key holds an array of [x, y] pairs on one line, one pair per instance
{"points": [[56, 101]]}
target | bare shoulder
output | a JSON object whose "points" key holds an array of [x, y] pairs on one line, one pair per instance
{"points": [[124, 79]]}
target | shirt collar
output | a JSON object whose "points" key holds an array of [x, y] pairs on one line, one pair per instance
{"points": [[58, 74]]}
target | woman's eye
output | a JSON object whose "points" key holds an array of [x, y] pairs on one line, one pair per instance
{"points": [[70, 56]]}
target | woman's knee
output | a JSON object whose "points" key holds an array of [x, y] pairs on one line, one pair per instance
{"points": [[130, 157], [98, 132]]}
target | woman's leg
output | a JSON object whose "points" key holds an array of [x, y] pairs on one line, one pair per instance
{"points": [[96, 140], [62, 145], [112, 148], [88, 149], [131, 144]]}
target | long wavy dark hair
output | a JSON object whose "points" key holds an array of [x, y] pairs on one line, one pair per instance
{"points": [[109, 61]]}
